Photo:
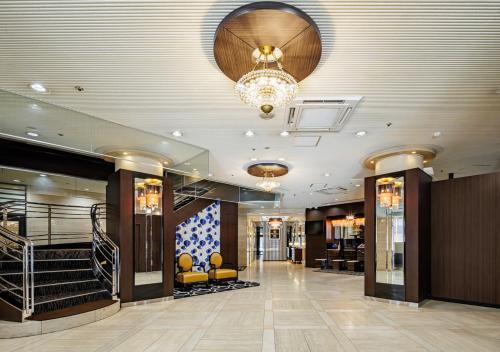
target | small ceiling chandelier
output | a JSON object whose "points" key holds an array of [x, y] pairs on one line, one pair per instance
{"points": [[268, 182], [269, 86]]}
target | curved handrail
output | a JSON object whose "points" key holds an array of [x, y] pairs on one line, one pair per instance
{"points": [[104, 251], [24, 252]]}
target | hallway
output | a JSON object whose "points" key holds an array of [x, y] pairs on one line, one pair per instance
{"points": [[294, 309]]}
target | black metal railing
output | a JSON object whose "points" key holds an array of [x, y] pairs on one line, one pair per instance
{"points": [[105, 253]]}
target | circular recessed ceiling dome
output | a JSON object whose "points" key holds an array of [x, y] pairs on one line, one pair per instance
{"points": [[427, 153], [267, 169], [291, 32]]}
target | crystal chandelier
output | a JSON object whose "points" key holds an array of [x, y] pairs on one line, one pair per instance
{"points": [[265, 87], [268, 183]]}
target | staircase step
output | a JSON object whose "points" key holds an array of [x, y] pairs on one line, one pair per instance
{"points": [[60, 301]]}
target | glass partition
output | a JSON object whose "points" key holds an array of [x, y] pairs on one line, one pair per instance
{"points": [[39, 122], [148, 231], [390, 230]]}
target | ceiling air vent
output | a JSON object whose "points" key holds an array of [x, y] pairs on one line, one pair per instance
{"points": [[332, 190], [329, 115]]}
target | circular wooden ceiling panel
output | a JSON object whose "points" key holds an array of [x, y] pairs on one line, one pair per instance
{"points": [[267, 170], [267, 23]]}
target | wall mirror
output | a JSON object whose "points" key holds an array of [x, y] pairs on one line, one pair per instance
{"points": [[390, 231], [148, 231]]}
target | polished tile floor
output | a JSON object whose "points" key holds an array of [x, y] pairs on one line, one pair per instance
{"points": [[294, 309]]}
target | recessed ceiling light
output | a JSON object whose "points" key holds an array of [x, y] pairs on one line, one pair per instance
{"points": [[249, 133], [425, 161], [327, 174], [210, 175], [436, 134], [414, 152], [16, 180], [35, 107], [86, 189], [195, 170], [177, 133], [32, 134], [310, 193], [38, 87], [165, 163], [336, 199], [43, 175], [372, 162], [357, 185], [284, 134], [281, 159], [253, 159], [125, 153], [361, 133]]}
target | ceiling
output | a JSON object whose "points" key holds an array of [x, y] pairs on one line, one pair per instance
{"points": [[421, 66]]}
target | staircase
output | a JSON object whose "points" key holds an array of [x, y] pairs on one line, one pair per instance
{"points": [[63, 277], [41, 280]]}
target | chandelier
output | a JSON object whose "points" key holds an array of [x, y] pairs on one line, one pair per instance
{"points": [[268, 183], [266, 87]]}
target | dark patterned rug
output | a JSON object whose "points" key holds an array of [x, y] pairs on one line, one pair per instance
{"points": [[198, 290]]}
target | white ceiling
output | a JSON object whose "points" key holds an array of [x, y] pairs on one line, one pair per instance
{"points": [[424, 66]]}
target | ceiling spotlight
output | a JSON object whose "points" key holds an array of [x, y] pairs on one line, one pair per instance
{"points": [[281, 159], [210, 175], [16, 180], [38, 87], [43, 175], [360, 133], [165, 163], [249, 133], [357, 185], [372, 162], [32, 134], [327, 174], [436, 134], [336, 199], [125, 153], [284, 134], [253, 159], [195, 170], [310, 193], [35, 107], [414, 152], [177, 133], [425, 161], [86, 189]]}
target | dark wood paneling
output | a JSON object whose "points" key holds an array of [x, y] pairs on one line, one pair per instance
{"points": [[168, 237], [36, 157], [315, 249], [316, 243], [119, 225], [229, 233], [370, 236], [465, 234], [417, 235]]}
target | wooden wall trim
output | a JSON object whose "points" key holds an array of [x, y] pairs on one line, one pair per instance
{"points": [[370, 198], [465, 239], [169, 225]]}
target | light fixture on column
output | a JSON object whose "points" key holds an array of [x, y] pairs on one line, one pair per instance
{"points": [[385, 192]]}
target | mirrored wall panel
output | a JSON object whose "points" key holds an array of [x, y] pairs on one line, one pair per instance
{"points": [[148, 231], [390, 231]]}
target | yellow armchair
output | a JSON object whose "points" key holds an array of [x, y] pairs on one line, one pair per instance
{"points": [[216, 271], [186, 276]]}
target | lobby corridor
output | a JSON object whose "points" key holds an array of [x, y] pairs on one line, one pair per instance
{"points": [[294, 309]]}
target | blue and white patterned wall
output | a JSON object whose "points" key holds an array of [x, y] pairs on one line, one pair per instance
{"points": [[200, 236]]}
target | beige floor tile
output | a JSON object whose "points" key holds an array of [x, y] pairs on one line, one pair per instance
{"points": [[298, 319], [291, 340]]}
